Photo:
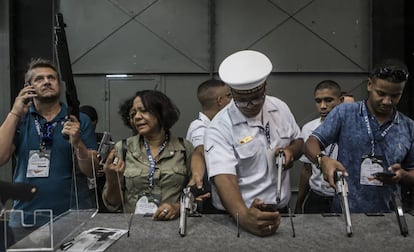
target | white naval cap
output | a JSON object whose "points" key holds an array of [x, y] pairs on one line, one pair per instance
{"points": [[245, 70]]}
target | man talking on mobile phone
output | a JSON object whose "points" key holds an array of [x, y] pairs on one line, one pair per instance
{"points": [[34, 132]]}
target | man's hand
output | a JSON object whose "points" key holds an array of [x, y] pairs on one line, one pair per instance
{"points": [[328, 168], [113, 167], [23, 101], [71, 128], [260, 222]]}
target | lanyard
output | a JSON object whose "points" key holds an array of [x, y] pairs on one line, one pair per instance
{"points": [[42, 134], [331, 149], [369, 130], [267, 133], [151, 160]]}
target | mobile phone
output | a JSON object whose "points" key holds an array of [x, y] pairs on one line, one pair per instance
{"points": [[383, 174], [26, 101], [269, 207]]}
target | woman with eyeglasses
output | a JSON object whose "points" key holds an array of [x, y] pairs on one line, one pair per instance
{"points": [[146, 173], [375, 142]]}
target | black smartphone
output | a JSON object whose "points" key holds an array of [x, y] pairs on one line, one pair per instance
{"points": [[26, 101], [383, 174], [269, 207]]}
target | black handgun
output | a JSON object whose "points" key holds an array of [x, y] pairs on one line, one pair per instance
{"points": [[105, 147], [16, 191]]}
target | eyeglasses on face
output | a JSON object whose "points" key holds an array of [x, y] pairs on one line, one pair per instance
{"points": [[395, 75], [254, 102]]}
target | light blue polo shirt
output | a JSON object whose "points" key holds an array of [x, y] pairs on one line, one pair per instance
{"points": [[346, 126]]}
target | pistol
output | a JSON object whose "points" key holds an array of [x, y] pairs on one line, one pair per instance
{"points": [[279, 165], [188, 206], [399, 213], [342, 191], [105, 147]]}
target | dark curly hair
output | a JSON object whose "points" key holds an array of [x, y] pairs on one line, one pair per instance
{"points": [[157, 103], [161, 106], [124, 109]]}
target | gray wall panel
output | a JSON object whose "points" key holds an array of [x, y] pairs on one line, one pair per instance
{"points": [[344, 25], [183, 24], [240, 24], [302, 51], [183, 91], [134, 49], [91, 91], [89, 23]]}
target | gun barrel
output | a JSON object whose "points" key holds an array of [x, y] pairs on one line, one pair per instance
{"points": [[402, 223], [182, 230], [279, 161], [347, 216], [342, 191]]}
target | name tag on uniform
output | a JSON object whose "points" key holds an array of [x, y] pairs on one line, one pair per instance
{"points": [[39, 164], [246, 139]]}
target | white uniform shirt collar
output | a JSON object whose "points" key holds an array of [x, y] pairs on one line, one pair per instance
{"points": [[237, 117]]}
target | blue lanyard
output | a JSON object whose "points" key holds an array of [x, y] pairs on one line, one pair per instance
{"points": [[151, 160], [41, 133], [369, 130], [267, 133], [331, 149]]}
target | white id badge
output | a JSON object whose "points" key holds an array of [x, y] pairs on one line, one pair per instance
{"points": [[367, 169], [145, 206], [39, 164]]}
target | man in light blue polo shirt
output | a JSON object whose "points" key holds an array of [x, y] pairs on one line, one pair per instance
{"points": [[372, 137]]}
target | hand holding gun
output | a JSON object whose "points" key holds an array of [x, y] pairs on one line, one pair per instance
{"points": [[399, 213], [15, 191], [279, 165], [342, 190], [105, 148], [188, 206]]}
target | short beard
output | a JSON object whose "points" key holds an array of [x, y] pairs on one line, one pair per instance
{"points": [[48, 99]]}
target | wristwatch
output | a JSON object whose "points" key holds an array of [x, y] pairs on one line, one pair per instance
{"points": [[319, 160]]}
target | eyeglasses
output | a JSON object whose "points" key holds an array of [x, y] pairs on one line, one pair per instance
{"points": [[47, 138], [254, 102], [395, 75], [228, 95]]}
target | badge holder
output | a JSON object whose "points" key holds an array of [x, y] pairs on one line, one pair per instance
{"points": [[44, 231]]}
